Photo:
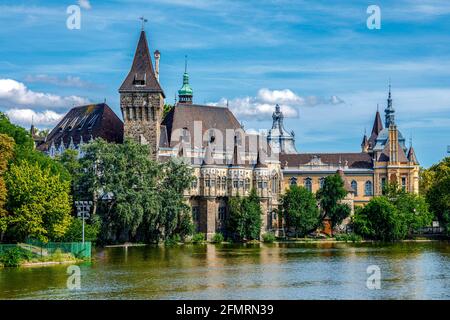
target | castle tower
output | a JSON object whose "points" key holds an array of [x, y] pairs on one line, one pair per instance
{"points": [[142, 99], [279, 139], [389, 111], [185, 94]]}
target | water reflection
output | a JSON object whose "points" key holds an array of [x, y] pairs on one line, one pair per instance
{"points": [[261, 271]]}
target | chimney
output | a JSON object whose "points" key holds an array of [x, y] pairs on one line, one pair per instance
{"points": [[157, 55]]}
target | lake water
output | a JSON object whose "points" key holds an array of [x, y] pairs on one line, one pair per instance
{"points": [[411, 270]]}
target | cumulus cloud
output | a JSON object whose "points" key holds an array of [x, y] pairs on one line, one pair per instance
{"points": [[262, 105], [14, 94], [68, 81], [85, 4], [25, 117]]}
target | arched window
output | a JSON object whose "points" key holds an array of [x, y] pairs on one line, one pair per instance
{"points": [[321, 182], [308, 184], [293, 181], [185, 136], [368, 189], [247, 184], [355, 187], [275, 184], [224, 183], [260, 183]]}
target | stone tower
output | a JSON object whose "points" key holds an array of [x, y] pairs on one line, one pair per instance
{"points": [[142, 99]]}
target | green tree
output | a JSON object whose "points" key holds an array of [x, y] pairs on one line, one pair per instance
{"points": [[166, 110], [379, 220], [39, 203], [330, 196], [245, 221], [137, 198], [300, 210], [6, 152]]}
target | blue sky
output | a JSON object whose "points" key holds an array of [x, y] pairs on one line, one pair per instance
{"points": [[318, 60]]}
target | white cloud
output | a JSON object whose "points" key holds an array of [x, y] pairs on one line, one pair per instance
{"points": [[263, 104], [14, 93], [68, 81], [27, 116], [85, 4]]}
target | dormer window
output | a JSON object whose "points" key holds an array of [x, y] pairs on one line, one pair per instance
{"points": [[139, 79], [92, 121]]}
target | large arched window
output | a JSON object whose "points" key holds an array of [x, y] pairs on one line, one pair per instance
{"points": [[321, 182], [275, 184], [308, 184], [355, 187], [293, 181], [368, 189]]}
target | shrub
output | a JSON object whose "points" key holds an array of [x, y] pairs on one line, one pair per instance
{"points": [[173, 240], [348, 237], [14, 257], [217, 238], [269, 237], [198, 238]]}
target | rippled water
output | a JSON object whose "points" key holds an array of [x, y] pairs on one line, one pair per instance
{"points": [[267, 271]]}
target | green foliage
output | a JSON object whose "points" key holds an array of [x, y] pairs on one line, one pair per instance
{"points": [[217, 238], [75, 230], [166, 110], [379, 220], [13, 257], [39, 203], [348, 237], [245, 220], [329, 197], [269, 237], [173, 240], [21, 136], [6, 152], [146, 200], [198, 238], [300, 210]]}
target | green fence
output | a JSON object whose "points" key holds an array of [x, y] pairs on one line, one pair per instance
{"points": [[78, 249]]}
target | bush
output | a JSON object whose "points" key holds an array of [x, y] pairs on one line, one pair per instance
{"points": [[348, 237], [198, 238], [74, 232], [14, 257], [173, 240], [269, 237], [217, 238]]}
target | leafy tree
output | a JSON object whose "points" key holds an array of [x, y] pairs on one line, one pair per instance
{"points": [[74, 232], [6, 152], [435, 185], [379, 220], [136, 198], [245, 220], [39, 203], [166, 110], [300, 210], [330, 196]]}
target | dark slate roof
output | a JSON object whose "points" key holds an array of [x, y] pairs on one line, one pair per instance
{"points": [[385, 154], [184, 116], [94, 120], [359, 160], [412, 156], [377, 127], [142, 69]]}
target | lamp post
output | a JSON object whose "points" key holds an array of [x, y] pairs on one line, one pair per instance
{"points": [[83, 212]]}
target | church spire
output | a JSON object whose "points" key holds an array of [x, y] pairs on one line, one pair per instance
{"points": [[389, 111], [185, 94], [142, 75]]}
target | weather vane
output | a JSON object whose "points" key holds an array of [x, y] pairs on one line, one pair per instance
{"points": [[143, 22]]}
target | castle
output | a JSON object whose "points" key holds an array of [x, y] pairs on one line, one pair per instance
{"points": [[226, 160]]}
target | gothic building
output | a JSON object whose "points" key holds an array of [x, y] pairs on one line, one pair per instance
{"points": [[384, 158], [226, 160]]}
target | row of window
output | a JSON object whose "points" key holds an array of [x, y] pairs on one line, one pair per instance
{"points": [[307, 183], [246, 184]]}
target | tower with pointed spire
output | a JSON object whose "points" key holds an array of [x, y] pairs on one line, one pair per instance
{"points": [[142, 99], [279, 139], [185, 94], [389, 111]]}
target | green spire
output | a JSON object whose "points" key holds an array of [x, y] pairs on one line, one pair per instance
{"points": [[185, 94]]}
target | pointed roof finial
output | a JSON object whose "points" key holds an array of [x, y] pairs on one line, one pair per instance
{"points": [[378, 107], [389, 87], [143, 22], [185, 63]]}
